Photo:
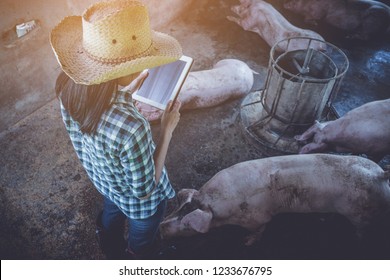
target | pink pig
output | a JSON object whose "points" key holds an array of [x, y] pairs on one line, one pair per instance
{"points": [[262, 18], [250, 193], [363, 130], [228, 79]]}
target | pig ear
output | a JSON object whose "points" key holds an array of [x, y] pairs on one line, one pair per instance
{"points": [[198, 220], [185, 195]]}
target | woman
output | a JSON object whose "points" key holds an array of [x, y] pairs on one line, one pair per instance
{"points": [[106, 48]]}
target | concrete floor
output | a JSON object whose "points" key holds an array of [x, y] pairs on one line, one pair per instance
{"points": [[48, 206]]}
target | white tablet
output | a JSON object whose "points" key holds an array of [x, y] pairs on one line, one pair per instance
{"points": [[164, 83]]}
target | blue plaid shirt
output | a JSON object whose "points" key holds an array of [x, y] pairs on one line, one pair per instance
{"points": [[118, 158]]}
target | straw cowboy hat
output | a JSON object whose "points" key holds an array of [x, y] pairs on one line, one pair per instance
{"points": [[110, 40]]}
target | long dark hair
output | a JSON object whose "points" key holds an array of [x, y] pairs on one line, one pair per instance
{"points": [[85, 103]]}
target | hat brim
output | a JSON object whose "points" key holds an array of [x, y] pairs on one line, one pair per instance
{"points": [[66, 41]]}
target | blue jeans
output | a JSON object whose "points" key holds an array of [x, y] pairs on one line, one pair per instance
{"points": [[141, 233]]}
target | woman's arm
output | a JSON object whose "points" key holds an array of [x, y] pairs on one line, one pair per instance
{"points": [[169, 122]]}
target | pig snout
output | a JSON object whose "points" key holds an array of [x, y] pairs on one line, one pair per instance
{"points": [[197, 221], [170, 227], [188, 219], [313, 139]]}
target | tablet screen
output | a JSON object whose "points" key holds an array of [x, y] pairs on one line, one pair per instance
{"points": [[163, 83]]}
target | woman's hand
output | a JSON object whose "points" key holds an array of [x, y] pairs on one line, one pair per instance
{"points": [[170, 118]]}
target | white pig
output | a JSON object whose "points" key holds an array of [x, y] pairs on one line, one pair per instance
{"points": [[363, 130], [262, 18], [228, 79], [250, 193]]}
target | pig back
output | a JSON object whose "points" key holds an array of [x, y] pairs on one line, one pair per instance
{"points": [[352, 186], [298, 183]]}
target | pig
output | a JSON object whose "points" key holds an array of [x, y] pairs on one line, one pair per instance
{"points": [[262, 18], [361, 19], [228, 79], [250, 193], [363, 130]]}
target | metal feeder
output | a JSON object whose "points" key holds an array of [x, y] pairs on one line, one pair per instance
{"points": [[299, 89]]}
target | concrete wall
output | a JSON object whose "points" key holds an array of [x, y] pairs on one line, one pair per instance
{"points": [[28, 68]]}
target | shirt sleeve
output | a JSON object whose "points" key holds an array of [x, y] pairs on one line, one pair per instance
{"points": [[138, 164]]}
